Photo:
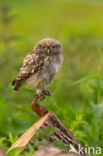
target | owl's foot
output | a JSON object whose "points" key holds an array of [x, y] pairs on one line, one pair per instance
{"points": [[46, 92], [40, 96]]}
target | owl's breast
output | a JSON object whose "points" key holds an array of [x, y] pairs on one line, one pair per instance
{"points": [[45, 76], [51, 68]]}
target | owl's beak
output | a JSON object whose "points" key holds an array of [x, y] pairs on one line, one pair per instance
{"points": [[48, 51]]}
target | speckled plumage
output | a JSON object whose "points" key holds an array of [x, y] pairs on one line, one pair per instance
{"points": [[40, 66]]}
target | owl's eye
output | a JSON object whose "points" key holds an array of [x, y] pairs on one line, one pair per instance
{"points": [[53, 47], [43, 47]]}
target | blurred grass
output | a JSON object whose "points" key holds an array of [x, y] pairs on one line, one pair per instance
{"points": [[77, 92]]}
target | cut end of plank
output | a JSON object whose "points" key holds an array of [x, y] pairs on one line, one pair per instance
{"points": [[26, 137]]}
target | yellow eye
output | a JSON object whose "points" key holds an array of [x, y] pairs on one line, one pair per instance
{"points": [[53, 47], [43, 47]]}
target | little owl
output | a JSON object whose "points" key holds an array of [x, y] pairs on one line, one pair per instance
{"points": [[40, 67]]}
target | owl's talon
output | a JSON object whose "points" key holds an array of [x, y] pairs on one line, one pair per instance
{"points": [[46, 92], [40, 96]]}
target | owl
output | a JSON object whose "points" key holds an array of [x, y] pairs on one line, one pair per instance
{"points": [[40, 67]]}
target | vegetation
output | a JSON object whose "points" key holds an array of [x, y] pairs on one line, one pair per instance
{"points": [[77, 92]]}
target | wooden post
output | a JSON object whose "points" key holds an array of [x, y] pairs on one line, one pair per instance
{"points": [[48, 119]]}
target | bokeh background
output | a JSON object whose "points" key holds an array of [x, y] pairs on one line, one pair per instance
{"points": [[77, 92]]}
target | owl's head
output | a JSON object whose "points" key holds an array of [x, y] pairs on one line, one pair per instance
{"points": [[49, 46]]}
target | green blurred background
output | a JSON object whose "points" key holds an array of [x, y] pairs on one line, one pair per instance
{"points": [[77, 92]]}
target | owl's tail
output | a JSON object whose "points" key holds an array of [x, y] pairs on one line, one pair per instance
{"points": [[16, 84]]}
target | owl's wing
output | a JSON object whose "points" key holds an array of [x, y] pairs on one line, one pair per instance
{"points": [[32, 63]]}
